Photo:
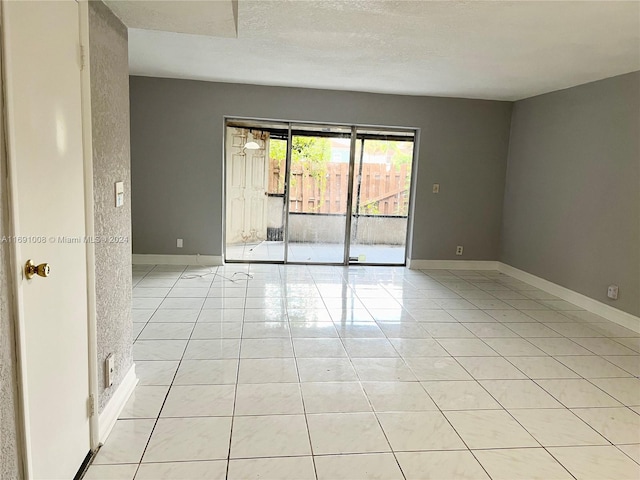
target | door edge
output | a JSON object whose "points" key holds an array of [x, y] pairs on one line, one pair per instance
{"points": [[16, 276], [87, 147]]}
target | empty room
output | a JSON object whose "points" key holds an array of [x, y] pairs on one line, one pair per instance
{"points": [[318, 239]]}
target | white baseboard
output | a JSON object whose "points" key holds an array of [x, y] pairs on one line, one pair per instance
{"points": [[452, 264], [594, 306], [116, 403], [204, 260]]}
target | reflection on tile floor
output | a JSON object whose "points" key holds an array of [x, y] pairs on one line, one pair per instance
{"points": [[296, 372]]}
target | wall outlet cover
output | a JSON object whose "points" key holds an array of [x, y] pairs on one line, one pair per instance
{"points": [[459, 250], [612, 292], [436, 188]]}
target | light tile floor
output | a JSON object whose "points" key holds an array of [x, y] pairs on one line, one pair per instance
{"points": [[315, 372]]}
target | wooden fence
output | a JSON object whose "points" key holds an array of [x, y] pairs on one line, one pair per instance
{"points": [[384, 190]]}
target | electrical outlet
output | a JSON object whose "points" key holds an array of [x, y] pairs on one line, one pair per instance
{"points": [[179, 243], [459, 250], [109, 370], [436, 188], [612, 292]]}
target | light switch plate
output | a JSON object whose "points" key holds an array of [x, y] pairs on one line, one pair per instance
{"points": [[119, 194], [436, 188]]}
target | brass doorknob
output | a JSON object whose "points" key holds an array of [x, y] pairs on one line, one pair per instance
{"points": [[32, 269]]}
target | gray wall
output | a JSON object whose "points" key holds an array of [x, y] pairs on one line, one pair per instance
{"points": [[572, 199], [177, 151], [111, 163], [10, 467]]}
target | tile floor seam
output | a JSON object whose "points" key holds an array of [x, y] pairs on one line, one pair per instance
{"points": [[304, 409], [157, 419], [448, 422], [561, 464], [235, 393], [391, 450]]}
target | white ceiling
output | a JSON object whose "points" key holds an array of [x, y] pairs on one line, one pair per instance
{"points": [[475, 49], [213, 17]]}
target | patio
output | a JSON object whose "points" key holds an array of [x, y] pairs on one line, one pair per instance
{"points": [[269, 251]]}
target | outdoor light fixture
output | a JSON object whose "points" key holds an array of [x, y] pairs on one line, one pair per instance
{"points": [[252, 146]]}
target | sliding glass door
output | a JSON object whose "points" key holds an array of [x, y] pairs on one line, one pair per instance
{"points": [[316, 194], [381, 190]]}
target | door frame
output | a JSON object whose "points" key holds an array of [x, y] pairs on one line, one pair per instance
{"points": [[287, 192], [87, 145], [13, 227], [354, 127], [22, 440]]}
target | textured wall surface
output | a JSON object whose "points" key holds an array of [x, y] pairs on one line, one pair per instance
{"points": [[111, 163], [177, 150], [9, 460], [572, 199]]}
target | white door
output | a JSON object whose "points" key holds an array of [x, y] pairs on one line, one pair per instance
{"points": [[247, 184], [43, 93]]}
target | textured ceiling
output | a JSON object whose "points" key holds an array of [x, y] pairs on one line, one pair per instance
{"points": [[475, 49], [198, 17]]}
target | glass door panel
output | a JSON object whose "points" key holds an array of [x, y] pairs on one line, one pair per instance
{"points": [[381, 189], [255, 169], [318, 194]]}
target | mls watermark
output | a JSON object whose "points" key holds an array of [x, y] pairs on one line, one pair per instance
{"points": [[64, 239]]}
